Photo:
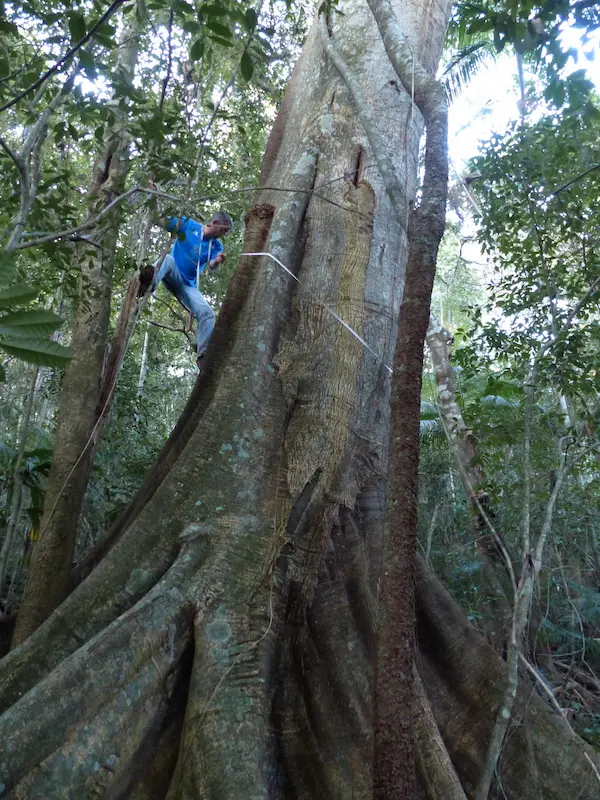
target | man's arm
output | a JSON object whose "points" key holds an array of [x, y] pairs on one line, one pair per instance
{"points": [[170, 224], [216, 262], [159, 221], [219, 258]]}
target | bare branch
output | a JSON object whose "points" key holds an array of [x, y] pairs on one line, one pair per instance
{"points": [[89, 224], [547, 689], [18, 222], [548, 514], [575, 179], [29, 178], [39, 127], [11, 153], [577, 308]]}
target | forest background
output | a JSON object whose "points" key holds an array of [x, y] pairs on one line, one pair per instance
{"points": [[96, 101]]}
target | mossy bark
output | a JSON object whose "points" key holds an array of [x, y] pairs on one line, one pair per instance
{"points": [[225, 642]]}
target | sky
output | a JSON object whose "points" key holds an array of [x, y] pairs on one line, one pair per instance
{"points": [[489, 103]]}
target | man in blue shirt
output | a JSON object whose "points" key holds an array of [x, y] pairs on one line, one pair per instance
{"points": [[195, 247]]}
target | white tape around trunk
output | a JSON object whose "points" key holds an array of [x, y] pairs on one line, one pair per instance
{"points": [[327, 308]]}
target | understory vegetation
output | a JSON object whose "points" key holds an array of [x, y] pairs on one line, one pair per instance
{"points": [[165, 108]]}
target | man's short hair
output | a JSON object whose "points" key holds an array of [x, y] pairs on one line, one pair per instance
{"points": [[222, 218]]}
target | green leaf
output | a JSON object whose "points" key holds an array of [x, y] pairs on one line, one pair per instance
{"points": [[219, 29], [2, 374], [8, 268], [221, 41], [252, 18], [29, 323], [246, 66], [214, 10], [8, 27], [87, 62], [197, 50], [16, 295], [39, 453], [42, 352], [77, 27], [482, 24], [182, 8], [428, 411]]}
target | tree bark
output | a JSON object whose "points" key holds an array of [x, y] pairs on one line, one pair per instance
{"points": [[394, 770], [226, 641], [16, 503], [83, 403]]}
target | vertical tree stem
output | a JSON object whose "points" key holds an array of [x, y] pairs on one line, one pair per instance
{"points": [[16, 505]]}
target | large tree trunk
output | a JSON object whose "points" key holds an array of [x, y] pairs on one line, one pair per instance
{"points": [[224, 647], [84, 394]]}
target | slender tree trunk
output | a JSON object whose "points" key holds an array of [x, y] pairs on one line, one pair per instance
{"points": [[82, 402], [16, 504], [143, 365], [489, 545]]}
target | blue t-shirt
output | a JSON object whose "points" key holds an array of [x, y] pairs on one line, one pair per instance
{"points": [[185, 251]]}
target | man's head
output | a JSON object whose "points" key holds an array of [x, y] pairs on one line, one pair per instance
{"points": [[220, 224]]}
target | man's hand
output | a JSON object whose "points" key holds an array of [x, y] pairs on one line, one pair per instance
{"points": [[216, 261]]}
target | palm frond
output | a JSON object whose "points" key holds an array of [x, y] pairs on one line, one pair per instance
{"points": [[465, 64]]}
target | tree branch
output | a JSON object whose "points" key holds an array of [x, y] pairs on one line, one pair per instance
{"points": [[575, 179], [29, 180], [167, 77], [67, 56], [415, 79], [11, 153], [89, 224], [549, 512]]}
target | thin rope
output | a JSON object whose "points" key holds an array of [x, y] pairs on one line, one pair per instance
{"points": [[326, 307]]}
